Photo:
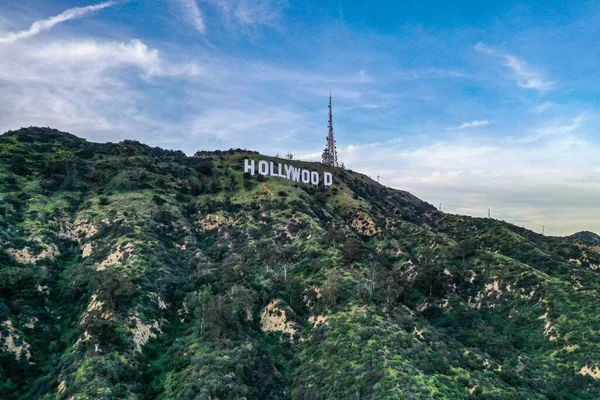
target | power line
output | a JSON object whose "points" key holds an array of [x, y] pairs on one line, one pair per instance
{"points": [[544, 227], [465, 207], [489, 212]]}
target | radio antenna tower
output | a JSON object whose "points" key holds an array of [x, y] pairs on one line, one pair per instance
{"points": [[330, 153]]}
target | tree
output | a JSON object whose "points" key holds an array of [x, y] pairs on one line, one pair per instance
{"points": [[112, 287], [331, 288], [16, 281], [335, 234], [100, 328], [217, 315], [61, 162], [283, 268], [464, 248], [391, 290], [234, 271], [294, 294], [321, 195], [198, 301], [278, 258], [352, 250], [370, 279], [17, 163], [242, 302], [195, 187], [205, 166], [432, 278]]}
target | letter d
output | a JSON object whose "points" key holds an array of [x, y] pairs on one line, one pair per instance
{"points": [[327, 179]]}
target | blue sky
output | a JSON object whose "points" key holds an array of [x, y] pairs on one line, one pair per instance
{"points": [[472, 104]]}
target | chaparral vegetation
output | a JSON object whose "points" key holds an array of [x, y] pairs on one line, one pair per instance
{"points": [[133, 272]]}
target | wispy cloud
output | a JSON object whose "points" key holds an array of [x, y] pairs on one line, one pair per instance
{"points": [[525, 76], [243, 15], [432, 73], [557, 129], [545, 106], [249, 13], [47, 24], [472, 124], [362, 77], [192, 14]]}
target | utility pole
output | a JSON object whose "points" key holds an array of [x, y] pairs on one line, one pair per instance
{"points": [[377, 178], [489, 213], [543, 229], [440, 206]]}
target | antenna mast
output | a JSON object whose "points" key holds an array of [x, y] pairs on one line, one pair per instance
{"points": [[330, 152]]}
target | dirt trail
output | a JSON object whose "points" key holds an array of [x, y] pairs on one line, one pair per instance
{"points": [[267, 189]]}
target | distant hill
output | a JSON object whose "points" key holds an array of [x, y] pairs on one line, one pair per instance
{"points": [[128, 271], [585, 237]]}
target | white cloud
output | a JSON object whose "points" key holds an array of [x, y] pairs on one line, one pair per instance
{"points": [[84, 63], [472, 124], [103, 55], [85, 87], [47, 24], [542, 182], [192, 14], [111, 90], [524, 75]]}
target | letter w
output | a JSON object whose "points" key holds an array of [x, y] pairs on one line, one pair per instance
{"points": [[292, 173]]}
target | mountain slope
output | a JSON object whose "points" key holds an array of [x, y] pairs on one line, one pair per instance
{"points": [[586, 238], [134, 272]]}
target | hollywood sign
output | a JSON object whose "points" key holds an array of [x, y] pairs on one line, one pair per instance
{"points": [[269, 168]]}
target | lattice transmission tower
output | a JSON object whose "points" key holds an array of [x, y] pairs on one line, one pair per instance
{"points": [[330, 153]]}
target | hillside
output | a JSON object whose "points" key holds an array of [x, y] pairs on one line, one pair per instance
{"points": [[585, 238], [134, 272]]}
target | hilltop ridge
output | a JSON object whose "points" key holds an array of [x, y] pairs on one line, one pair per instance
{"points": [[586, 238], [128, 271]]}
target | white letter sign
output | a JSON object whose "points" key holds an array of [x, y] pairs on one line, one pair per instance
{"points": [[290, 172]]}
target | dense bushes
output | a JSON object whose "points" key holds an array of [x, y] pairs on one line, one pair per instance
{"points": [[179, 256]]}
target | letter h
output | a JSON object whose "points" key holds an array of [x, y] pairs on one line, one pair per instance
{"points": [[249, 166]]}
